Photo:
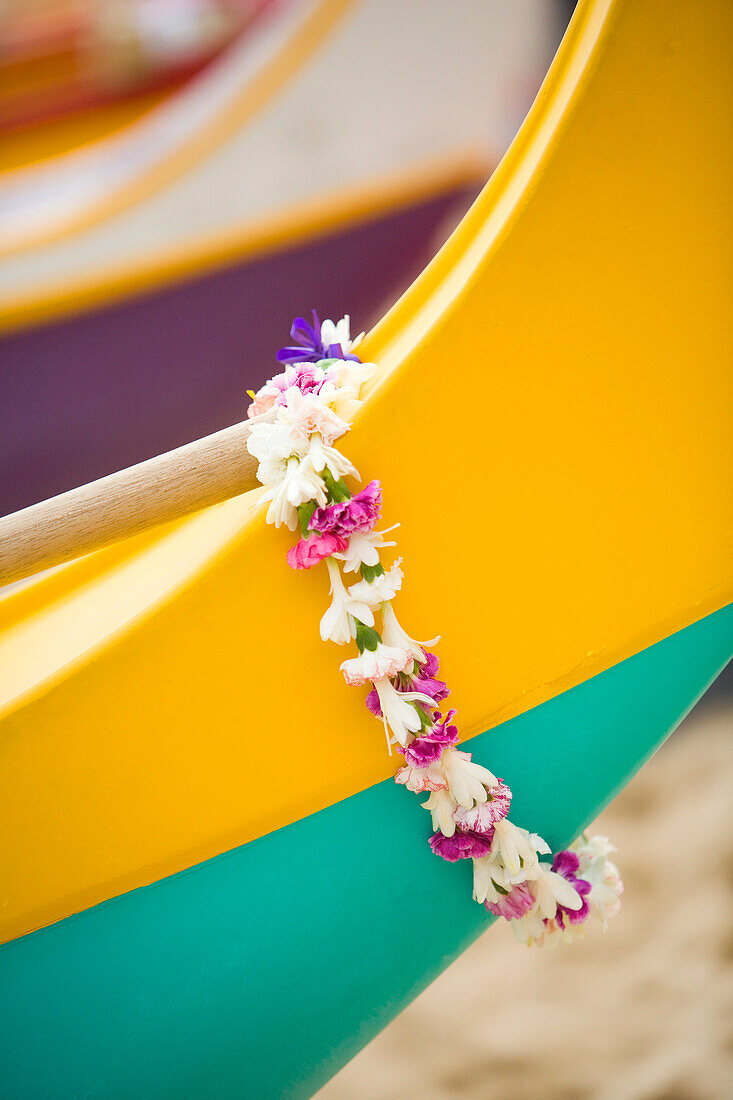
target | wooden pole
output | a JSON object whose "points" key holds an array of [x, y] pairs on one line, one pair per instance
{"points": [[125, 503]]}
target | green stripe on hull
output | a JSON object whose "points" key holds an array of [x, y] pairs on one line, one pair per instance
{"points": [[258, 974]]}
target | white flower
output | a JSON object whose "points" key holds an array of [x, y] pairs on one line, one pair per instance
{"points": [[305, 414], [343, 386], [337, 623], [516, 848], [320, 456], [363, 549], [300, 484], [467, 781], [418, 780], [602, 874], [393, 634], [375, 664], [442, 806], [339, 333], [550, 889], [398, 714], [273, 447], [487, 875], [530, 928], [380, 589]]}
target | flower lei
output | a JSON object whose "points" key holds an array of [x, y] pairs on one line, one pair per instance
{"points": [[298, 415]]}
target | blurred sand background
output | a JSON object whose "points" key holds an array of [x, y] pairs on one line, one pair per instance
{"points": [[642, 1013]]}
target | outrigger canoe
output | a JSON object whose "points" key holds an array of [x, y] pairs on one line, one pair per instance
{"points": [[196, 900]]}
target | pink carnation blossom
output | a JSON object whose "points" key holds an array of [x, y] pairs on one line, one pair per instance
{"points": [[514, 905], [306, 376], [566, 863], [354, 516], [427, 748], [462, 845], [418, 780], [484, 816], [315, 548], [422, 679]]}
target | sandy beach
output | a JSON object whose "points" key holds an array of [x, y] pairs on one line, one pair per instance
{"points": [[642, 1013]]}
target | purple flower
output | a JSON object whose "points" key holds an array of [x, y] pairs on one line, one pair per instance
{"points": [[514, 905], [429, 745], [309, 345], [566, 863], [357, 515], [462, 845], [422, 679]]}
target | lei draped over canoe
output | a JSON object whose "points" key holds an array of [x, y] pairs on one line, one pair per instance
{"points": [[311, 487]]}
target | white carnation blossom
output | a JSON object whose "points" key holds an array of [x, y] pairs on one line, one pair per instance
{"points": [[304, 414], [393, 634], [273, 447], [337, 624], [487, 875], [375, 664], [382, 588], [467, 781], [516, 848], [549, 889], [363, 549], [398, 713], [442, 806]]}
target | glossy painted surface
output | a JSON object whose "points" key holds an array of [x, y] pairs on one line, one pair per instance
{"points": [[260, 972], [558, 467]]}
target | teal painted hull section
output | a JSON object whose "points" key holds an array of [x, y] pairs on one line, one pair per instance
{"points": [[258, 974]]}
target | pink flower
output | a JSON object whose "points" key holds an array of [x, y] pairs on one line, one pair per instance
{"points": [[354, 516], [422, 679], [315, 548], [462, 845], [566, 863], [418, 780], [306, 376], [427, 748], [484, 816], [514, 905]]}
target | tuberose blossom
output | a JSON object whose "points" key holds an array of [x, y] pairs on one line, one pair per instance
{"points": [[300, 483], [468, 781], [358, 514], [398, 712], [337, 624], [516, 848], [393, 634], [442, 807]]}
